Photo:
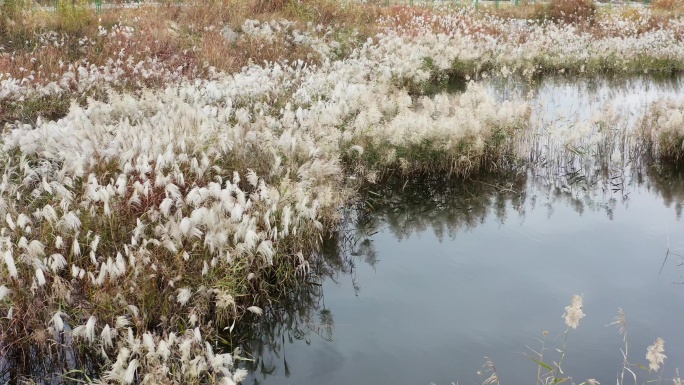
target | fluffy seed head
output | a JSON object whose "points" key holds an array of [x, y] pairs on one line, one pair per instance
{"points": [[573, 313], [654, 354]]}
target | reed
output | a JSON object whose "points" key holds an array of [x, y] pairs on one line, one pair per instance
{"points": [[661, 131], [550, 369]]}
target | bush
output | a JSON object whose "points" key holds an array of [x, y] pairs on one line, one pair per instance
{"points": [[571, 11]]}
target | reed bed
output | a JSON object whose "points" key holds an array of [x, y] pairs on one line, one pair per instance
{"points": [[47, 58], [141, 227], [150, 204]]}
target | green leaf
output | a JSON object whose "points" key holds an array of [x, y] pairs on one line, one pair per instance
{"points": [[545, 365]]}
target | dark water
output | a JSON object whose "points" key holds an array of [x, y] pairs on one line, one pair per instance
{"points": [[433, 276]]}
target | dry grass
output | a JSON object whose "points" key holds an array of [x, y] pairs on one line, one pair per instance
{"points": [[166, 31], [525, 10], [571, 11], [667, 5], [564, 11], [41, 46]]}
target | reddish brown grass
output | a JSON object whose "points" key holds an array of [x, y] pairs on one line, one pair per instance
{"points": [[666, 5], [571, 11]]}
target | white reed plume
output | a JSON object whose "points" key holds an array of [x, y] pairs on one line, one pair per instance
{"points": [[57, 321], [654, 354], [86, 331], [4, 291], [75, 247], [23, 220], [122, 322], [184, 295], [256, 310], [573, 312], [129, 376], [240, 375], [9, 262], [40, 277], [150, 346], [69, 222], [10, 222]]}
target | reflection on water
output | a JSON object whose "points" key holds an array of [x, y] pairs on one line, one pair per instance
{"points": [[462, 270], [301, 314], [446, 208], [70, 365], [428, 277]]}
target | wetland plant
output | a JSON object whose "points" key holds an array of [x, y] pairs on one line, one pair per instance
{"points": [[662, 130], [550, 370], [167, 200], [137, 230]]}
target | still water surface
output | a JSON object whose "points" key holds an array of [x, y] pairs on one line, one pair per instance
{"points": [[439, 275]]}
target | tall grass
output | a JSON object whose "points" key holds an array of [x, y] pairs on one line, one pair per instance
{"points": [[570, 11], [661, 130]]}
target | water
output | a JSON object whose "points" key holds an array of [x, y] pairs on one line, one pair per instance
{"points": [[436, 275]]}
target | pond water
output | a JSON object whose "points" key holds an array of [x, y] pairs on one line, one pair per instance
{"points": [[433, 276]]}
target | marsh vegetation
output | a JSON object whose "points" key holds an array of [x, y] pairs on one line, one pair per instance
{"points": [[176, 178]]}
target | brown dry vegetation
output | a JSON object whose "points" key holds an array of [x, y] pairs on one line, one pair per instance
{"points": [[40, 44], [177, 35], [190, 36], [571, 11], [668, 5]]}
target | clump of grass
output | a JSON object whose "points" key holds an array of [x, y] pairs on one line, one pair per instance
{"points": [[267, 6], [29, 110], [661, 131], [434, 134], [570, 11]]}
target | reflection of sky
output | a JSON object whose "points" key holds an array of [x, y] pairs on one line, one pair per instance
{"points": [[582, 99], [431, 310], [565, 112]]}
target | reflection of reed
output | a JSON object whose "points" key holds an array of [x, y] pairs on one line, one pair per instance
{"points": [[72, 361], [443, 205], [667, 182], [299, 312], [292, 317]]}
